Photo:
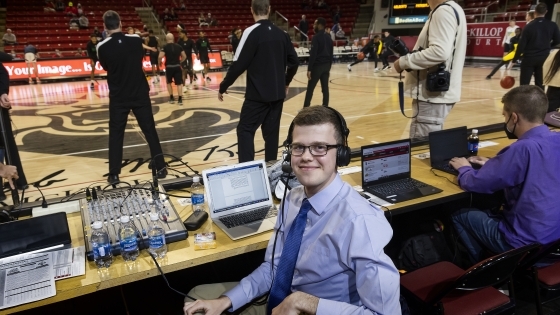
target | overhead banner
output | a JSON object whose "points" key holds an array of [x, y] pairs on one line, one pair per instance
{"points": [[79, 67], [485, 39]]}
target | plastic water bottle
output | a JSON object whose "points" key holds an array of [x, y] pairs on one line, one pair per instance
{"points": [[473, 142], [156, 237], [127, 235], [197, 195], [101, 243]]}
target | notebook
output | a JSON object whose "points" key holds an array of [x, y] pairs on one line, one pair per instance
{"points": [[447, 144], [239, 199], [386, 172]]}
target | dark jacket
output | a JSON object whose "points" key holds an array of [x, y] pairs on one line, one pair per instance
{"points": [[122, 56], [321, 49], [303, 26], [537, 38], [265, 52]]}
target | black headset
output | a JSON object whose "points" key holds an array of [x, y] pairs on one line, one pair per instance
{"points": [[342, 151]]}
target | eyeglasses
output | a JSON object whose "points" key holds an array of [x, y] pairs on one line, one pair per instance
{"points": [[315, 149]]}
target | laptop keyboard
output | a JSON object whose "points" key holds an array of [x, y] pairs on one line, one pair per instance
{"points": [[392, 188], [259, 214], [448, 168]]}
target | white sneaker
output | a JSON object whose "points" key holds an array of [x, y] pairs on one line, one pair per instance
{"points": [[385, 68], [185, 89], [376, 70], [349, 68]]}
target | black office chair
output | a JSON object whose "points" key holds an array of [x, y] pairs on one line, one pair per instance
{"points": [[545, 279], [444, 288]]}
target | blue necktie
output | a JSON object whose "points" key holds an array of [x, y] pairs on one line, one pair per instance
{"points": [[282, 285]]}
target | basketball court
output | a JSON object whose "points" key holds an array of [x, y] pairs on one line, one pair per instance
{"points": [[61, 128]]}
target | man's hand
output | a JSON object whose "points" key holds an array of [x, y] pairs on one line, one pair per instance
{"points": [[397, 66], [221, 96], [308, 75], [480, 160], [9, 172], [287, 89], [457, 163], [208, 307], [297, 303], [5, 101]]}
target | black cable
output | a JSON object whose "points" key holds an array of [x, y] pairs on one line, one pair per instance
{"points": [[177, 159], [20, 205], [432, 170], [44, 203], [158, 266]]}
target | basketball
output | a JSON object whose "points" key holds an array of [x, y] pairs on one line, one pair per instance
{"points": [[507, 82], [361, 56]]}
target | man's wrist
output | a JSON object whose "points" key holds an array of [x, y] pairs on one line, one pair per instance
{"points": [[225, 302]]}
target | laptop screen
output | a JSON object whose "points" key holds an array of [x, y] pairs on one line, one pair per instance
{"points": [[385, 162], [447, 144], [237, 187]]}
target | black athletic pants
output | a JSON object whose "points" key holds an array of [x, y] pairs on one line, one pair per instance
{"points": [[118, 116], [553, 95], [498, 66], [530, 66], [14, 158], [385, 57], [255, 114], [319, 72]]}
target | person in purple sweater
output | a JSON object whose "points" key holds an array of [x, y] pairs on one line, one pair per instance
{"points": [[527, 172]]}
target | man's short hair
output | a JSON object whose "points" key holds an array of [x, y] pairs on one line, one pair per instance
{"points": [[318, 115], [529, 101], [260, 7], [321, 21], [112, 20], [150, 31], [92, 35], [377, 36], [541, 8]]}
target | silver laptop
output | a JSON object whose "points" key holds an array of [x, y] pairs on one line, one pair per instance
{"points": [[239, 199]]}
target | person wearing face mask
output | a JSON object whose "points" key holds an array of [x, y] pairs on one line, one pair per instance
{"points": [[527, 173]]}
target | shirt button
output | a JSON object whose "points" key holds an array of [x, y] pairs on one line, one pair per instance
{"points": [[308, 222]]}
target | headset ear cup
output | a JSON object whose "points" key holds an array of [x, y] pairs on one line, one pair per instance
{"points": [[342, 156]]}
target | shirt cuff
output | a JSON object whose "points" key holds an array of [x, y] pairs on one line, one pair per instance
{"points": [[237, 296], [403, 62]]}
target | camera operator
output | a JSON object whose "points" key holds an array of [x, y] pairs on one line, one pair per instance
{"points": [[436, 67]]}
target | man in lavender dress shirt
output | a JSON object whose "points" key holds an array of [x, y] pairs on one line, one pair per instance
{"points": [[528, 173], [341, 267]]}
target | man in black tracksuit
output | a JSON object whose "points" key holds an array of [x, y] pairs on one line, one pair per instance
{"points": [[535, 43], [265, 52], [121, 56], [189, 47], [320, 62], [387, 42]]}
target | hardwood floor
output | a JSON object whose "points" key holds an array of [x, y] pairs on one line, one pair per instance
{"points": [[62, 127]]}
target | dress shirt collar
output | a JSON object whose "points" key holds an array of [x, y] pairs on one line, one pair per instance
{"points": [[322, 199], [535, 132]]}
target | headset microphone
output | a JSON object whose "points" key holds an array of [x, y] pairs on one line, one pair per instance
{"points": [[287, 168]]}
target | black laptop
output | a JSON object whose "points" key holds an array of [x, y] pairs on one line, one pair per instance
{"points": [[386, 172], [447, 144]]}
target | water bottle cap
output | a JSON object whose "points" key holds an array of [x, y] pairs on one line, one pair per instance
{"points": [[97, 225], [475, 131], [196, 179], [154, 216], [125, 219]]}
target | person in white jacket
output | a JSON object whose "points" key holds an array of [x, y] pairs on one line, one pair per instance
{"points": [[443, 39], [510, 33]]}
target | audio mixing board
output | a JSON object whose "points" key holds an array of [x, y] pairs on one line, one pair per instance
{"points": [[137, 202]]}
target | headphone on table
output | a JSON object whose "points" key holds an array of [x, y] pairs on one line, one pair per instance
{"points": [[342, 151]]}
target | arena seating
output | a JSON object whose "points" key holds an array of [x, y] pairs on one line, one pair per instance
{"points": [[50, 30], [476, 10], [236, 13]]}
